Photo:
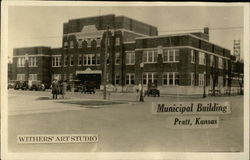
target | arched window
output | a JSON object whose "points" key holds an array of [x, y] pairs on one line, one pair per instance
{"points": [[84, 44], [93, 43]]}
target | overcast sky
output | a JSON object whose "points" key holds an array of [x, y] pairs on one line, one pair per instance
{"points": [[42, 26]]}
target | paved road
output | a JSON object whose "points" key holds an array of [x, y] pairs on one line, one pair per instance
{"points": [[123, 124]]}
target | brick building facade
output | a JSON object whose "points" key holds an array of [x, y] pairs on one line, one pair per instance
{"points": [[178, 63]]}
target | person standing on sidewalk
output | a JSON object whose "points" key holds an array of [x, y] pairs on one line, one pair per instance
{"points": [[54, 89]]}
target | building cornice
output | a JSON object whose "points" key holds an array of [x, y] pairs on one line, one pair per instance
{"points": [[190, 47], [32, 55], [178, 34]]}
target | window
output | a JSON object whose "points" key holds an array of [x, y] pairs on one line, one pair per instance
{"points": [[71, 43], [97, 59], [89, 42], [21, 62], [93, 60], [65, 61], [149, 77], [170, 78], [171, 55], [32, 62], [21, 77], [130, 78], [201, 79], [220, 63], [130, 58], [117, 78], [71, 60], [165, 55], [192, 56], [117, 58], [202, 58], [98, 42], [79, 60], [212, 60], [117, 41], [32, 77], [165, 79], [150, 56], [176, 78], [79, 42], [144, 56], [177, 54], [65, 45], [85, 57], [90, 59], [56, 61], [192, 78]]}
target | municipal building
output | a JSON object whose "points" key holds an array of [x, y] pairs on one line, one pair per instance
{"points": [[177, 63]]}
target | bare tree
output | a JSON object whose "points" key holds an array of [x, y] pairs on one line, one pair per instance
{"points": [[240, 81], [239, 67], [214, 75]]}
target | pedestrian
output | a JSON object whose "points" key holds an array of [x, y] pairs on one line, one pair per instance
{"points": [[64, 88], [54, 89], [60, 88], [139, 90], [43, 87]]}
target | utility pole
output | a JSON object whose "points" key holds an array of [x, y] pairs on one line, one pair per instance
{"points": [[105, 65]]}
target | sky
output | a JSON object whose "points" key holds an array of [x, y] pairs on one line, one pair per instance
{"points": [[43, 25]]}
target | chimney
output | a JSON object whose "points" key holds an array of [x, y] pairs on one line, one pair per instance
{"points": [[206, 30]]}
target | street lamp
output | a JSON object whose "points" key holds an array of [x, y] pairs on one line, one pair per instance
{"points": [[141, 94], [204, 93]]}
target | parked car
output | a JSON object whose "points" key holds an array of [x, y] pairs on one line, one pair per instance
{"points": [[152, 90], [17, 85], [89, 87], [37, 86], [11, 84], [23, 85]]}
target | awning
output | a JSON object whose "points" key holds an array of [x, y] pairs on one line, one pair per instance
{"points": [[89, 71]]}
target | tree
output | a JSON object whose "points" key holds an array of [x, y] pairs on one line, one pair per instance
{"points": [[214, 75], [239, 67]]}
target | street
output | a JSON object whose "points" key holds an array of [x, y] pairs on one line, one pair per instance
{"points": [[122, 123]]}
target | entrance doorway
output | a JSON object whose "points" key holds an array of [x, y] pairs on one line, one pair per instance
{"points": [[93, 78]]}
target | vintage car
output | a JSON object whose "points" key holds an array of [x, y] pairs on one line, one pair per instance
{"points": [[37, 86], [11, 84], [23, 85], [89, 87], [152, 90]]}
